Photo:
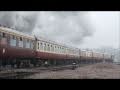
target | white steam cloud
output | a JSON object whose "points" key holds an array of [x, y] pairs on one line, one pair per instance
{"points": [[66, 27]]}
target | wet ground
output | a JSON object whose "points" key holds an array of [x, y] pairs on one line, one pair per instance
{"points": [[96, 71]]}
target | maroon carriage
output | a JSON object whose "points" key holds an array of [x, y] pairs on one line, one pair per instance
{"points": [[15, 45]]}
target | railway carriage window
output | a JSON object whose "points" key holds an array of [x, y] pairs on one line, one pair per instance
{"points": [[31, 44], [28, 44], [44, 47], [24, 43], [13, 37], [52, 48], [60, 49], [41, 46], [38, 46], [12, 40], [63, 50], [20, 42], [68, 51], [48, 47], [20, 38], [0, 35], [3, 35], [40, 43], [55, 49]]}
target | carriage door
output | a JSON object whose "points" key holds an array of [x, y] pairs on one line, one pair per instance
{"points": [[3, 43]]}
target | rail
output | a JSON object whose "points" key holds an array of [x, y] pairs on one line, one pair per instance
{"points": [[21, 73]]}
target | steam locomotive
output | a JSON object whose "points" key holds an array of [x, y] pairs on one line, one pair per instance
{"points": [[22, 50]]}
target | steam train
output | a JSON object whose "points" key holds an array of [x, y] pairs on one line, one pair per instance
{"points": [[19, 49]]}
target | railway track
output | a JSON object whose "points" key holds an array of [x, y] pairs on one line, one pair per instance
{"points": [[24, 72], [21, 73]]}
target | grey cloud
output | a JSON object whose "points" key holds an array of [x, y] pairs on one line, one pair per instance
{"points": [[64, 27], [20, 21]]}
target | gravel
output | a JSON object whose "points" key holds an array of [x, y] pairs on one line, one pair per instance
{"points": [[95, 71]]}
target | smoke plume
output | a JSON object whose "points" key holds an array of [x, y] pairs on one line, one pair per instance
{"points": [[21, 21], [65, 27]]}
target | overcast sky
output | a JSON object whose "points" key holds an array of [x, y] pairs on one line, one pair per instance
{"points": [[106, 32], [78, 29]]}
